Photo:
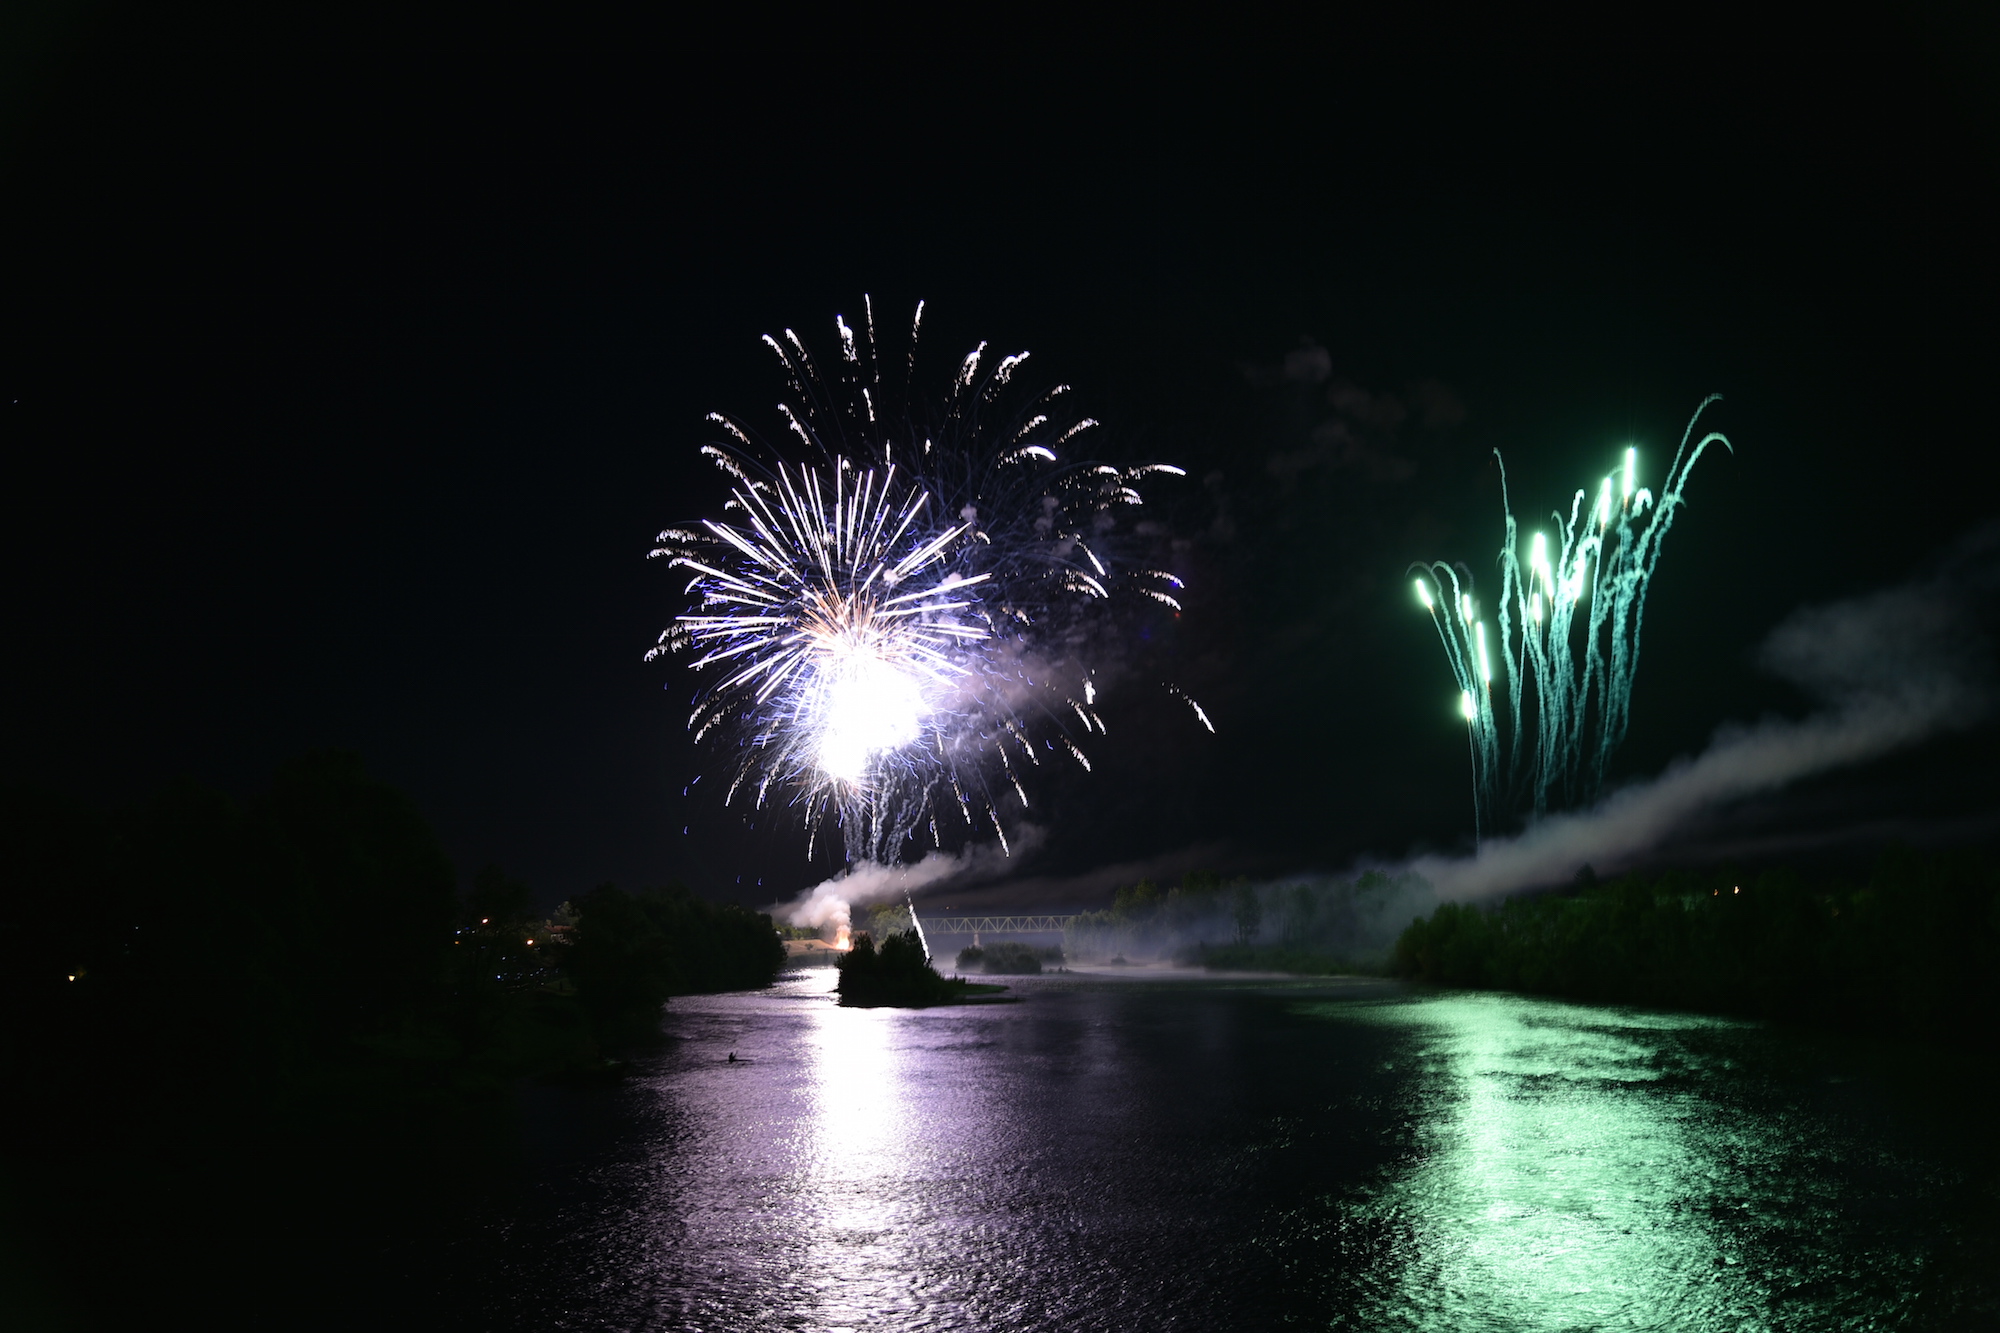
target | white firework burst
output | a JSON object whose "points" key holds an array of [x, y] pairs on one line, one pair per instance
{"points": [[895, 613]]}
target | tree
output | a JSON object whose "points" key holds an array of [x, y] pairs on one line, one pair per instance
{"points": [[1137, 902], [632, 951], [1248, 911], [623, 963], [1301, 913], [897, 973]]}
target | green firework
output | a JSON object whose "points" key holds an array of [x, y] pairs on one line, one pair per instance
{"points": [[1569, 621]]}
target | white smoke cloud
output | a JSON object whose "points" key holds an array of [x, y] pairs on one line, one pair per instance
{"points": [[1091, 887], [1889, 670], [831, 903]]}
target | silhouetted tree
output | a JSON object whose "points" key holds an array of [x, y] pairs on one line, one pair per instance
{"points": [[898, 973], [1008, 958], [1247, 910], [632, 951]]}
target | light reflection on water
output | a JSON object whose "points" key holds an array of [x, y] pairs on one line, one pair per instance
{"points": [[1125, 1154], [1560, 1185], [1578, 1167], [854, 1139]]}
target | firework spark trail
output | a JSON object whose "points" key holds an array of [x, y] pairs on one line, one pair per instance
{"points": [[1579, 703], [891, 623], [1888, 669]]}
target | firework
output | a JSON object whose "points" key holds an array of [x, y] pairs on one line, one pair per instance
{"points": [[1578, 606], [892, 619]]}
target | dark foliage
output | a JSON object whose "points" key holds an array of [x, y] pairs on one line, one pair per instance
{"points": [[1007, 958], [1142, 916], [1247, 912], [1915, 947], [307, 954], [1272, 958], [632, 951], [897, 973], [190, 939]]}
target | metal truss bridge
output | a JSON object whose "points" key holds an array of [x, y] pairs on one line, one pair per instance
{"points": [[994, 925]]}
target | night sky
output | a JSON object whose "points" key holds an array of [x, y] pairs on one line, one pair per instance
{"points": [[349, 375]]}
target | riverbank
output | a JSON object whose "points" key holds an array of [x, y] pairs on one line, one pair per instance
{"points": [[1910, 949], [310, 959]]}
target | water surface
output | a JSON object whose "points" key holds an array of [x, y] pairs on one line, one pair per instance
{"points": [[1126, 1153]]}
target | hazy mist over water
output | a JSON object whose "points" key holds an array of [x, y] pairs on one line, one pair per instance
{"points": [[1173, 1151]]}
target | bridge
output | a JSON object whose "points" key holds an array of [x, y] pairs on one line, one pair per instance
{"points": [[994, 925]]}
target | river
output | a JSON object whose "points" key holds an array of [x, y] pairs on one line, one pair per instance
{"points": [[1131, 1151], [1146, 1152]]}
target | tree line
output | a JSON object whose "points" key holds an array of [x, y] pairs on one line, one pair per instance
{"points": [[1913, 945], [311, 948]]}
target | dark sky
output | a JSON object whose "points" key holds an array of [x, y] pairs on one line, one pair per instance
{"points": [[349, 372]]}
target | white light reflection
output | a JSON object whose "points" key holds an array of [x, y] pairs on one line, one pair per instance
{"points": [[857, 1113], [860, 1155]]}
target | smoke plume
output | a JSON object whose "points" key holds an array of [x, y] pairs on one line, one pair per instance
{"points": [[1887, 671], [830, 904]]}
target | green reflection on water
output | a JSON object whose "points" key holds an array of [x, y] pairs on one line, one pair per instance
{"points": [[1585, 1168]]}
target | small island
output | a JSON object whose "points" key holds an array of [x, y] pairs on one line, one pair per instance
{"points": [[1007, 958], [900, 974]]}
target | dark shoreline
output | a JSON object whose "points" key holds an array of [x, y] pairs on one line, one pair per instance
{"points": [[1923, 930]]}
